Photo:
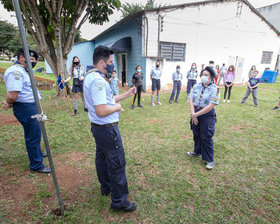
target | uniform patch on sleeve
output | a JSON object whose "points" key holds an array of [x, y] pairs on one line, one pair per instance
{"points": [[99, 85], [214, 99], [17, 74]]}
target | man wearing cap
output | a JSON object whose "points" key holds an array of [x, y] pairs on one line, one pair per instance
{"points": [[20, 97], [202, 101]]}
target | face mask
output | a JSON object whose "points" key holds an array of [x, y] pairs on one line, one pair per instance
{"points": [[204, 79], [212, 66], [76, 63], [110, 68], [139, 70], [33, 63], [193, 67], [114, 76], [157, 66], [178, 70]]}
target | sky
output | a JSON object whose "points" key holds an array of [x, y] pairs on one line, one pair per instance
{"points": [[89, 31]]}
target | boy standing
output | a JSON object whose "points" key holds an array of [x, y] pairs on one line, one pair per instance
{"points": [[253, 84], [114, 81]]}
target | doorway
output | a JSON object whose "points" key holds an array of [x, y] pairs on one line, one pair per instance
{"points": [[122, 65]]}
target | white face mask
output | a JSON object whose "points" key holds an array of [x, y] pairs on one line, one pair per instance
{"points": [[204, 79]]}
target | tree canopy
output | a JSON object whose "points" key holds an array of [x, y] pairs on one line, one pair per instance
{"points": [[53, 24], [127, 8]]}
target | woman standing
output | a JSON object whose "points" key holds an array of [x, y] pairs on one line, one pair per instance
{"points": [[191, 76], [229, 78], [218, 74], [137, 79], [77, 72], [252, 71], [202, 101]]}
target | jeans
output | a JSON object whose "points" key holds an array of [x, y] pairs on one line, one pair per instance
{"points": [[176, 86], [254, 93], [32, 133]]}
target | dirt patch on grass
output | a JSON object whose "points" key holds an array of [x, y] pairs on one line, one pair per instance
{"points": [[7, 119], [239, 127], [23, 193], [154, 121]]}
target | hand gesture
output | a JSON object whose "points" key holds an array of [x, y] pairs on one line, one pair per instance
{"points": [[118, 106], [131, 91], [193, 115], [195, 121], [6, 106]]}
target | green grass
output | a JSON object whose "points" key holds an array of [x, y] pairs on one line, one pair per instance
{"points": [[169, 186]]}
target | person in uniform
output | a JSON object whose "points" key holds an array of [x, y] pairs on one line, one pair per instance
{"points": [[191, 76], [20, 97], [77, 72], [137, 81], [223, 72], [202, 101], [176, 77], [155, 78], [103, 114]]}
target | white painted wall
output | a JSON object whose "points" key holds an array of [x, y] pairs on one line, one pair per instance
{"points": [[212, 32]]}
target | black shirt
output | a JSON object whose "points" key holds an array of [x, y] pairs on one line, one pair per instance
{"points": [[137, 79]]}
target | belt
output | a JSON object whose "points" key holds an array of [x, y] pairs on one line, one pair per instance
{"points": [[106, 125], [177, 81], [198, 107]]}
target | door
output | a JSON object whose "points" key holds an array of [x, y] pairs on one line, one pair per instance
{"points": [[122, 64], [238, 64]]}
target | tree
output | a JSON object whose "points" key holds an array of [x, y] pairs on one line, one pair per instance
{"points": [[53, 25], [127, 8]]}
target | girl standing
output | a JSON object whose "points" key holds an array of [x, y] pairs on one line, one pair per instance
{"points": [[191, 76], [229, 78], [137, 81], [77, 72]]}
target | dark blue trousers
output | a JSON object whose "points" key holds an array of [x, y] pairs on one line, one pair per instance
{"points": [[32, 133], [190, 84], [203, 135], [176, 86], [110, 163]]}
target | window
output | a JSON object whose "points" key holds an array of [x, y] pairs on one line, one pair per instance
{"points": [[266, 57], [172, 51]]}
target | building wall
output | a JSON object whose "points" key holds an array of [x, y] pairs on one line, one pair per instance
{"points": [[83, 50], [134, 57], [220, 36]]}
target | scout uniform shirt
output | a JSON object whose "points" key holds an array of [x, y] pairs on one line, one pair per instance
{"points": [[192, 75], [78, 71], [177, 76], [17, 79], [156, 73], [97, 92], [202, 96]]}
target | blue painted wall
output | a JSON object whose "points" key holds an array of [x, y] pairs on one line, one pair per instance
{"points": [[83, 50], [134, 57]]}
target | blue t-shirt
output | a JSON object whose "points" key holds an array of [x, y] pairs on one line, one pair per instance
{"points": [[97, 92], [156, 73], [254, 81], [17, 79]]}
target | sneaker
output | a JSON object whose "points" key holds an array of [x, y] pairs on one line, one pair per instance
{"points": [[75, 112], [159, 103], [256, 105], [153, 104], [193, 154], [176, 101], [276, 108], [242, 103], [86, 109], [127, 207], [224, 101], [170, 102], [132, 107], [227, 101], [210, 165], [140, 106]]}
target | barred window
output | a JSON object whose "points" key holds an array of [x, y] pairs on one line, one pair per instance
{"points": [[266, 57], [172, 51]]}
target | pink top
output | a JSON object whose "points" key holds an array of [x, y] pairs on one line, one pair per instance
{"points": [[230, 76]]}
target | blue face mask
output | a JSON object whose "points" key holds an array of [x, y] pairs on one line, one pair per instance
{"points": [[110, 68], [139, 70]]}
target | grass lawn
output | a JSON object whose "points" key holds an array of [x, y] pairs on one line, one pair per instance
{"points": [[168, 186]]}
